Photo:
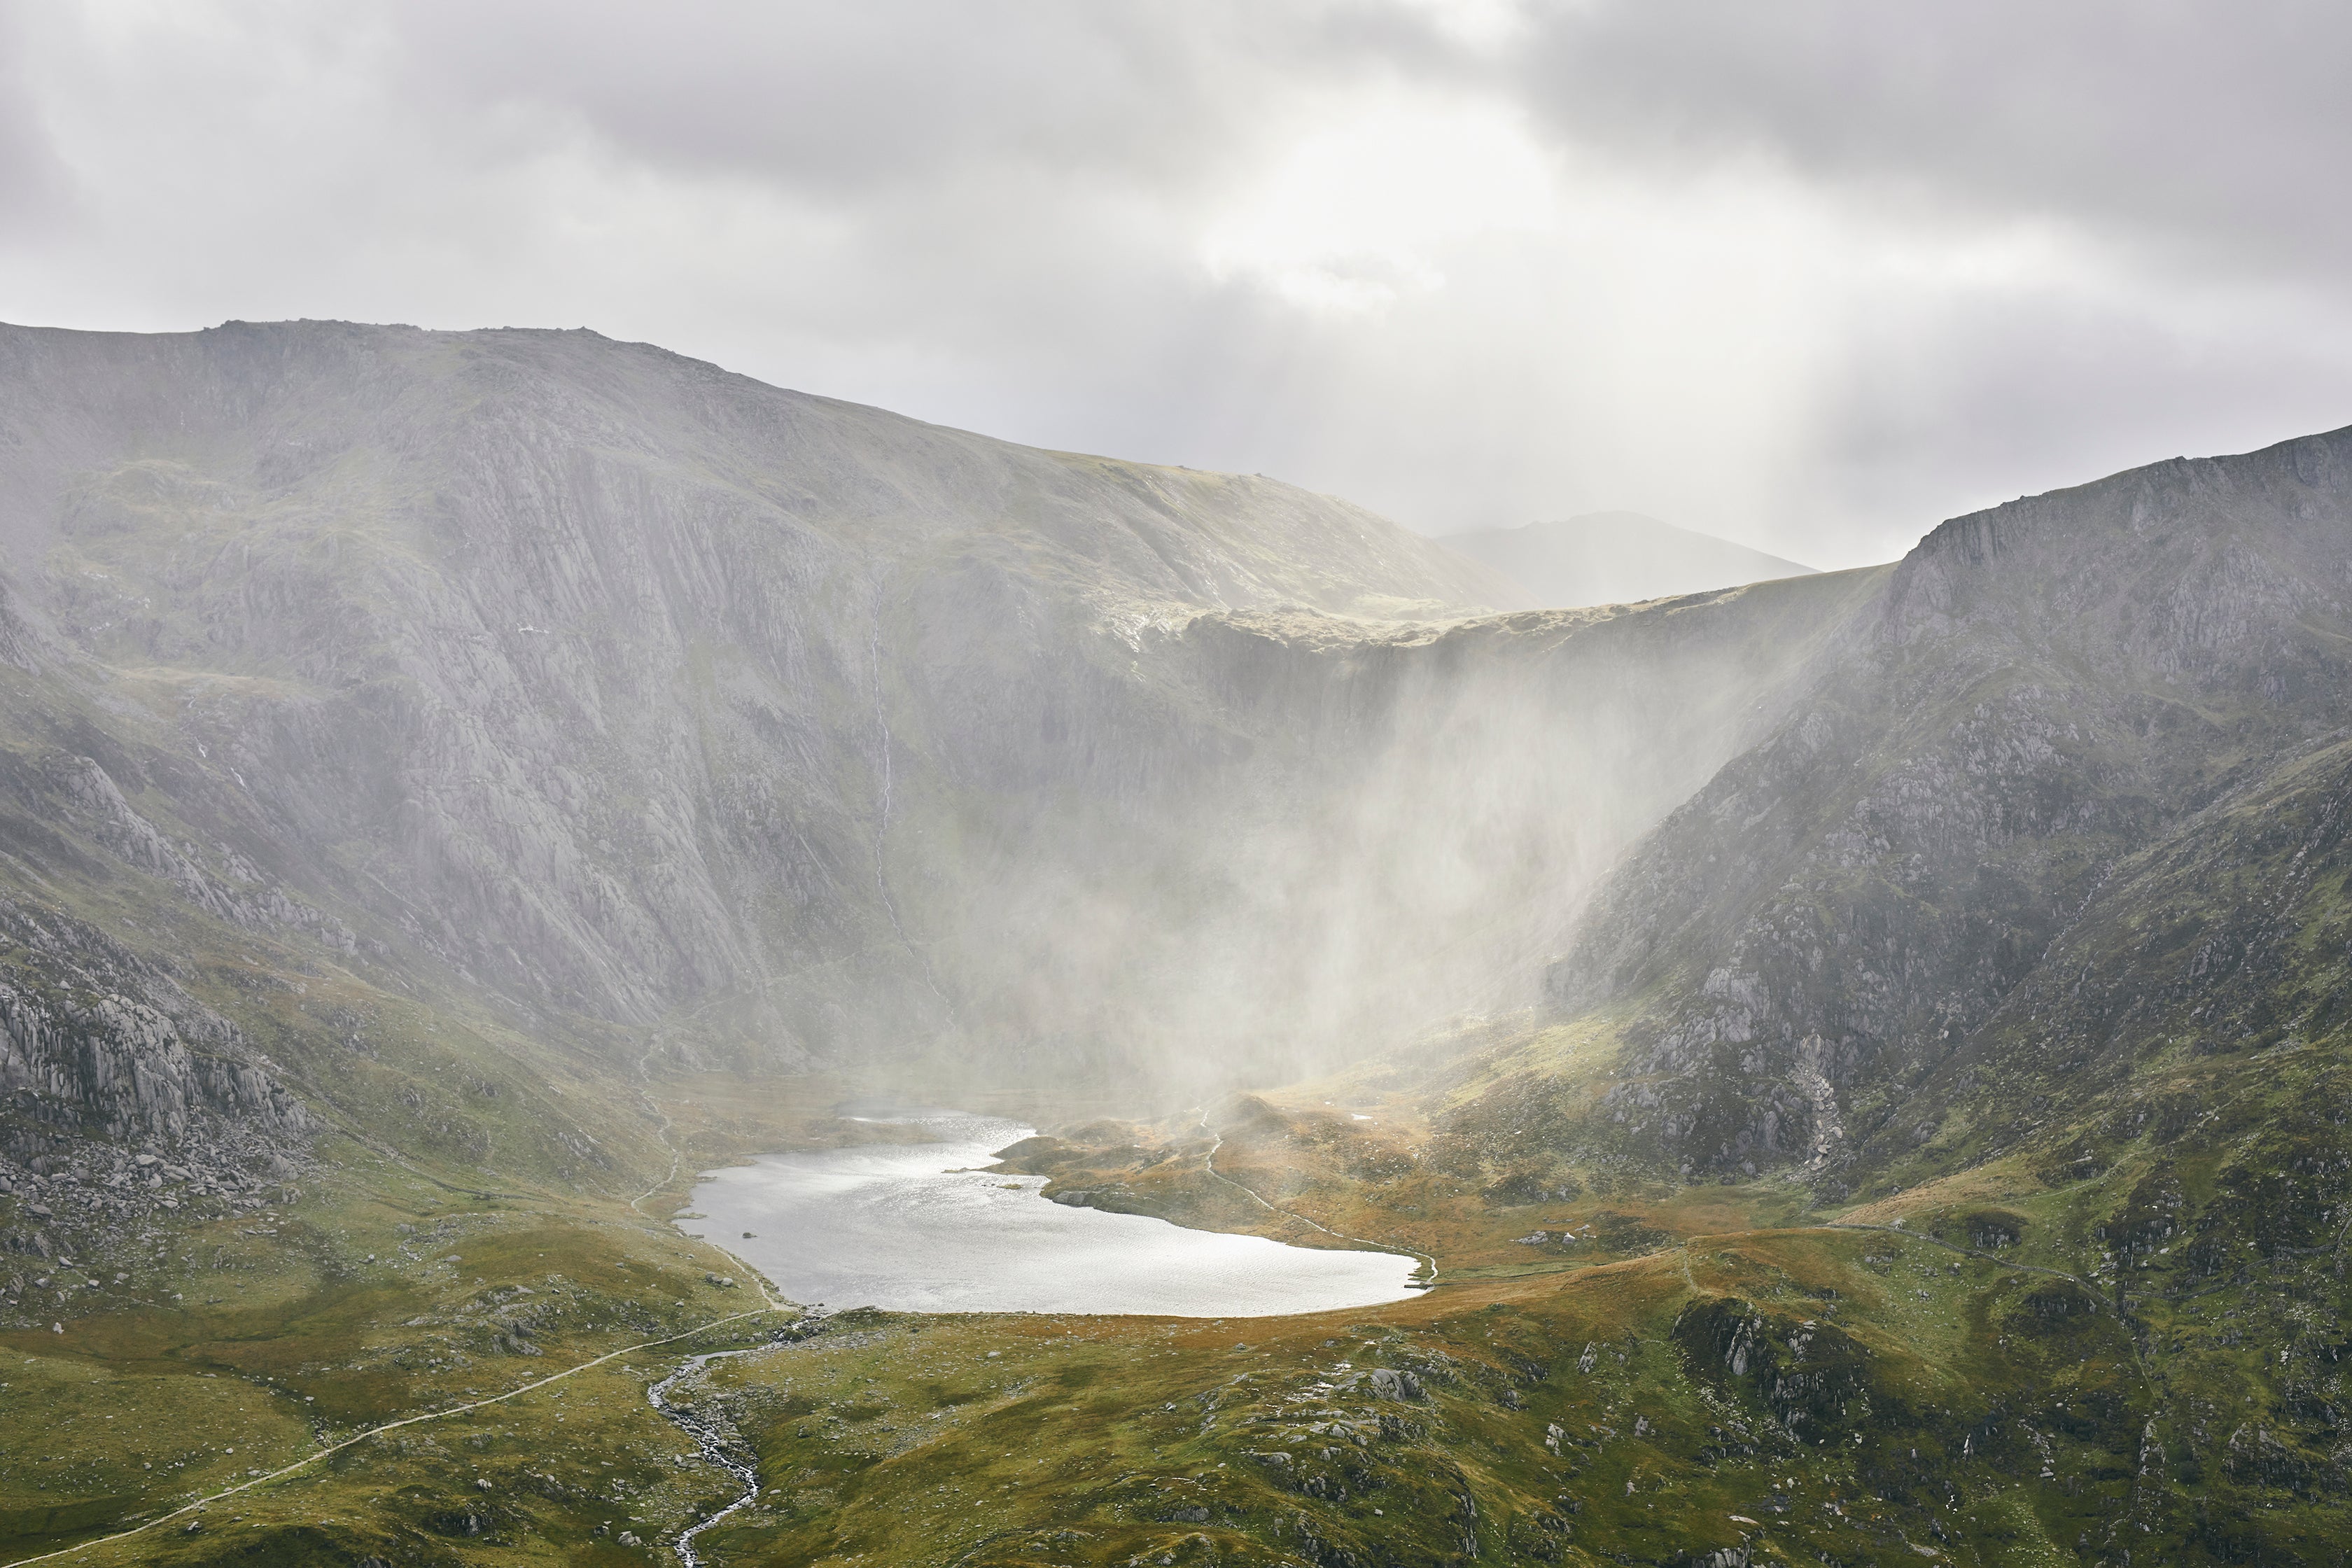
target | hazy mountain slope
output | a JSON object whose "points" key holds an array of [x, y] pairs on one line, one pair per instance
{"points": [[434, 432], [2095, 1301], [1615, 558], [2046, 689], [2028, 925], [586, 642], [2224, 942], [1391, 826], [633, 699], [416, 751]]}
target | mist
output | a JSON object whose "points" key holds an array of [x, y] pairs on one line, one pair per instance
{"points": [[1380, 830], [781, 735]]}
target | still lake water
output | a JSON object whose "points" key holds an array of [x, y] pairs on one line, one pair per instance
{"points": [[915, 1228]]}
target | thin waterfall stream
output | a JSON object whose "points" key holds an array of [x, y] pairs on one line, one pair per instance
{"points": [[714, 1444]]}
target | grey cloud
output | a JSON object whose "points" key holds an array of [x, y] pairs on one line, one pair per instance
{"points": [[33, 189], [2219, 129], [857, 101], [1986, 400]]}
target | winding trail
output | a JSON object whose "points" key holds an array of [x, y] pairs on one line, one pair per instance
{"points": [[198, 1504], [644, 1090], [769, 1303], [646, 1094], [713, 1446], [1209, 1167]]}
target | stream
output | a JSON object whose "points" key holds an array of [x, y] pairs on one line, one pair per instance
{"points": [[713, 1445]]}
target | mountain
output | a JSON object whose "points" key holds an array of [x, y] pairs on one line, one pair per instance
{"points": [[1615, 558], [589, 674], [1860, 1053], [1983, 805], [641, 704], [2024, 932]]}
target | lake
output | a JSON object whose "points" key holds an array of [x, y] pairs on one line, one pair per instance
{"points": [[915, 1228]]}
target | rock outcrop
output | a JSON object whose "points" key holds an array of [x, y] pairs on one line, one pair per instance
{"points": [[95, 1043]]}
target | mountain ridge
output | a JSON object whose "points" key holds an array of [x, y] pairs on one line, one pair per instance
{"points": [[1616, 557], [626, 690], [1967, 761]]}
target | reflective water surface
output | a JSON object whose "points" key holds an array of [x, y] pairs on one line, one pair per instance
{"points": [[915, 1227]]}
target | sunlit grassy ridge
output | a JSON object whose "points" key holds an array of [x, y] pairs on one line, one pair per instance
{"points": [[2140, 1351]]}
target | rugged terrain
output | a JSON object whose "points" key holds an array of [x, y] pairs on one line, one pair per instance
{"points": [[1862, 1054]]}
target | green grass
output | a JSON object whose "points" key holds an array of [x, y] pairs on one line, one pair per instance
{"points": [[1885, 1395], [1896, 1394]]}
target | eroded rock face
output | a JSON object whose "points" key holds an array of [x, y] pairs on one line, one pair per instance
{"points": [[123, 1100], [97, 1045], [2046, 690], [237, 892], [607, 681]]}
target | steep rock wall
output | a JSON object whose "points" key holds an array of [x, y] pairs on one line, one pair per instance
{"points": [[2044, 689]]}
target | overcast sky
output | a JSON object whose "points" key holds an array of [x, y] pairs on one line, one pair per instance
{"points": [[1810, 275]]}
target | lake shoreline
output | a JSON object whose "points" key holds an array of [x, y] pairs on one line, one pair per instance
{"points": [[938, 1227]]}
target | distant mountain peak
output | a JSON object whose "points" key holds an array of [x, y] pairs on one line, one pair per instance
{"points": [[1616, 557]]}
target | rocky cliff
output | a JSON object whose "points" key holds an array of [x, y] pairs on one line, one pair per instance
{"points": [[626, 705], [2052, 702], [636, 707]]}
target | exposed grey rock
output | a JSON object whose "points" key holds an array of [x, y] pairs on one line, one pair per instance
{"points": [[614, 688], [99, 1050], [2045, 689]]}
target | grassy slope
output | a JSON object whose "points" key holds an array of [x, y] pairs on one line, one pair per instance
{"points": [[2112, 1319], [1709, 1353], [384, 1292], [1978, 1325]]}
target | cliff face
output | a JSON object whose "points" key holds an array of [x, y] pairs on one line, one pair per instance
{"points": [[638, 706], [97, 1043], [122, 1098], [592, 658], [641, 705], [2052, 698], [413, 747], [1393, 826]]}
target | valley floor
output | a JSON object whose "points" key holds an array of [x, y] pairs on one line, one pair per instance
{"points": [[1609, 1369]]}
